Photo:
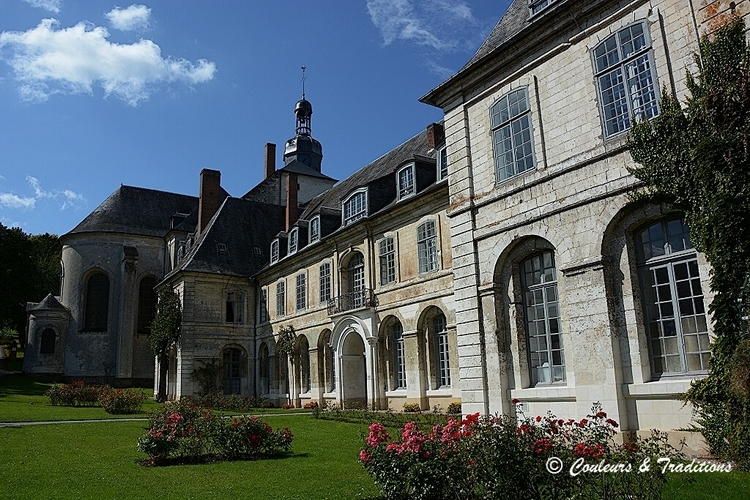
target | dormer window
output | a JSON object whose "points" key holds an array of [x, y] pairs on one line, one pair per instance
{"points": [[315, 229], [355, 207], [274, 251], [442, 164], [536, 6], [405, 178], [293, 240]]}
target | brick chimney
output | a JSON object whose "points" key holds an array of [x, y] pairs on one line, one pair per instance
{"points": [[269, 166], [208, 201], [435, 135], [291, 200]]}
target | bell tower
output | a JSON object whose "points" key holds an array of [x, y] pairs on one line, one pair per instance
{"points": [[302, 147]]}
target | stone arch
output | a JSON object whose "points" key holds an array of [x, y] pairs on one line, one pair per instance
{"points": [[302, 364], [234, 362], [353, 370], [264, 369], [95, 301], [392, 356], [435, 344], [326, 362]]}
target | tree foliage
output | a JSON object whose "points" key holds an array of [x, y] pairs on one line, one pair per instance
{"points": [[698, 157], [165, 331]]}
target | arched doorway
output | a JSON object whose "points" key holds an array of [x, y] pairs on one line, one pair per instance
{"points": [[353, 374]]}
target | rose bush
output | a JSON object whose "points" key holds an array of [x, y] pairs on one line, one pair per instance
{"points": [[74, 394], [511, 457]]}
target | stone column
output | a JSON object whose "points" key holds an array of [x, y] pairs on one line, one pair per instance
{"points": [[128, 311], [416, 369]]}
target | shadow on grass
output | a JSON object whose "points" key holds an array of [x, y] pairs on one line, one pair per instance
{"points": [[15, 384]]}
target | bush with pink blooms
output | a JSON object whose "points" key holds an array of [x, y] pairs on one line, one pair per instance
{"points": [[515, 457], [181, 432]]}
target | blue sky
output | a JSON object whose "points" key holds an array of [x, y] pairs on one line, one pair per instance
{"points": [[94, 94]]}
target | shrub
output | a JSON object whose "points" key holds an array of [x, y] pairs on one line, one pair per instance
{"points": [[454, 408], [311, 405], [287, 406], [75, 394], [509, 457], [412, 408], [122, 401], [182, 432]]}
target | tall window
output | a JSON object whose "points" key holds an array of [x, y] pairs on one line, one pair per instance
{"points": [[325, 282], [442, 360], [265, 370], [442, 164], [293, 240], [387, 261], [280, 299], [315, 229], [512, 137], [356, 281], [427, 247], [263, 306], [232, 370], [673, 299], [543, 335], [274, 251], [625, 76], [304, 365], [355, 207], [301, 295], [47, 344], [146, 304], [405, 178], [235, 307], [97, 303], [399, 359]]}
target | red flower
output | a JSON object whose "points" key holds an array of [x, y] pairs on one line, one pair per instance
{"points": [[515, 401], [364, 456], [583, 422], [601, 414], [612, 422], [538, 418]]}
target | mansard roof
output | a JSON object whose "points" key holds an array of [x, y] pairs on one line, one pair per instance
{"points": [[236, 240], [134, 210], [415, 148]]}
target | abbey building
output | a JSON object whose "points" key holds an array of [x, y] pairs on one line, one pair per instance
{"points": [[494, 256]]}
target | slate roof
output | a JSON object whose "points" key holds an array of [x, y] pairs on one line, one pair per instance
{"points": [[134, 210], [387, 164], [297, 167], [227, 245], [49, 302]]}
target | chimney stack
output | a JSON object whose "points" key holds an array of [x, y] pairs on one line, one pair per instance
{"points": [[291, 200], [208, 201], [269, 166], [435, 135]]}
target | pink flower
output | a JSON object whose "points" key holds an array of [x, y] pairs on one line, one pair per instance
{"points": [[364, 456]]}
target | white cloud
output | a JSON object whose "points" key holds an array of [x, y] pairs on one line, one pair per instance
{"points": [[70, 198], [50, 5], [48, 60], [135, 17], [10, 200], [443, 25]]}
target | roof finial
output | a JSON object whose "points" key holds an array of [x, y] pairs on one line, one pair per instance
{"points": [[303, 81]]}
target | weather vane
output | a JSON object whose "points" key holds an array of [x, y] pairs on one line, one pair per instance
{"points": [[303, 81]]}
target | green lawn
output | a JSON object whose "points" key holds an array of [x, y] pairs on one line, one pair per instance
{"points": [[100, 460]]}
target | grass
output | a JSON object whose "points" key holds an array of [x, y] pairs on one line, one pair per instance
{"points": [[100, 460]]}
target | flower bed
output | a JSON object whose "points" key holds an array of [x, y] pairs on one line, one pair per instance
{"points": [[181, 432], [506, 457]]}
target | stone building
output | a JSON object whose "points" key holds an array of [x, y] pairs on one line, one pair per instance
{"points": [[567, 292]]}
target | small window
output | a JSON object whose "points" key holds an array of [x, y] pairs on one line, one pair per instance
{"points": [[235, 306], [274, 251], [442, 164], [405, 178], [293, 240], [315, 229], [355, 207], [221, 247], [47, 345], [280, 300], [301, 292], [263, 312], [427, 247], [536, 6], [325, 282], [512, 136], [257, 252], [387, 261], [625, 77]]}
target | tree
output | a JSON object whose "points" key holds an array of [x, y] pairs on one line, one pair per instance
{"points": [[45, 254], [165, 331], [698, 157]]}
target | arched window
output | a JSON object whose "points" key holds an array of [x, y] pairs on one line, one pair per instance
{"points": [[146, 304], [97, 303], [399, 359], [356, 281], [47, 344], [512, 135], [303, 352], [232, 370], [542, 314], [672, 298], [265, 371], [440, 345]]}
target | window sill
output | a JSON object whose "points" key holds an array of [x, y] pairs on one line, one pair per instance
{"points": [[398, 393], [545, 393], [443, 391], [659, 389]]}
